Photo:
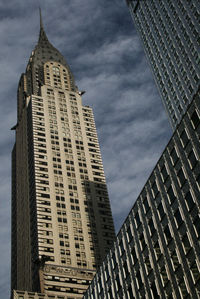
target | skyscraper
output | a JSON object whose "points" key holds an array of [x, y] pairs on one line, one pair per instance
{"points": [[156, 252], [170, 34], [62, 225]]}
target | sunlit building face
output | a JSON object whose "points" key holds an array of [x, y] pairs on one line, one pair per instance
{"points": [[62, 226]]}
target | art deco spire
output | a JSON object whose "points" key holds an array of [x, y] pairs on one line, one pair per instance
{"points": [[44, 52], [41, 22], [42, 36]]}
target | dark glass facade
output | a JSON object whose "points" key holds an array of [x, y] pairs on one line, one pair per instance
{"points": [[156, 254], [170, 34]]}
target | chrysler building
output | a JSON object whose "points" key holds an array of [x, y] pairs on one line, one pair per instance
{"points": [[62, 226]]}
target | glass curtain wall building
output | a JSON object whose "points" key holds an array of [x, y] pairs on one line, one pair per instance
{"points": [[170, 34], [62, 226], [156, 254]]}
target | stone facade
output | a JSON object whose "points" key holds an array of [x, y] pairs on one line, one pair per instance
{"points": [[62, 225]]}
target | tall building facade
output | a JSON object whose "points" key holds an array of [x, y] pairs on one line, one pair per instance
{"points": [[170, 34], [157, 250], [62, 225]]}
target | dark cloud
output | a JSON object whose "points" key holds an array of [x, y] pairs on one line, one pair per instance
{"points": [[99, 42]]}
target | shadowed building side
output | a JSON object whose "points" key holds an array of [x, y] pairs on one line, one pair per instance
{"points": [[170, 34], [156, 252]]}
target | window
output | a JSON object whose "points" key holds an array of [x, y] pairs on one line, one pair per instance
{"points": [[164, 173], [167, 233], [164, 277], [125, 268], [198, 181], [174, 259], [154, 291], [134, 256], [197, 226], [186, 243], [130, 292], [155, 189], [151, 227], [56, 70], [171, 195], [195, 119], [129, 233], [183, 288], [146, 205], [118, 283], [157, 250], [192, 159], [110, 293], [189, 201], [114, 261], [137, 219], [142, 242], [139, 280], [107, 273], [181, 177], [148, 265], [178, 218], [174, 156], [184, 138], [121, 245], [195, 272], [161, 211]]}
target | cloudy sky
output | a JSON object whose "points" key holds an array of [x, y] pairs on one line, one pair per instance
{"points": [[101, 45]]}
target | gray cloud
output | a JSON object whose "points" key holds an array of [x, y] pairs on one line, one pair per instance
{"points": [[100, 44]]}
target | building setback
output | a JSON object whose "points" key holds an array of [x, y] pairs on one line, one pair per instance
{"points": [[62, 226], [170, 34], [157, 250]]}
